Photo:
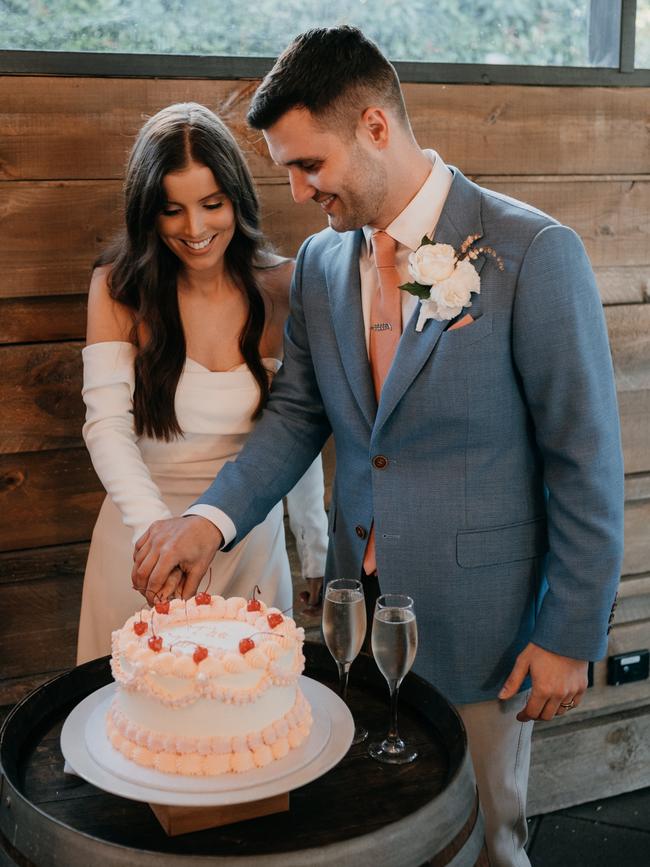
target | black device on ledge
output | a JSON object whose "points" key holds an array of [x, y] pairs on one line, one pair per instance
{"points": [[628, 667]]}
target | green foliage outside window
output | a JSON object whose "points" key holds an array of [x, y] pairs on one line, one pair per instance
{"points": [[538, 32]]}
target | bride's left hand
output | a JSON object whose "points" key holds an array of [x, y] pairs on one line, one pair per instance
{"points": [[312, 597]]}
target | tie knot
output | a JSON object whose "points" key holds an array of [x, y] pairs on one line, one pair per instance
{"points": [[383, 247]]}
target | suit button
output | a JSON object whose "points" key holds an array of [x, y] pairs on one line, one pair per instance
{"points": [[361, 531], [379, 462]]}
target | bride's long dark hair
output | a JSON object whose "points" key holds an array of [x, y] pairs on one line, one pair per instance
{"points": [[144, 270]]}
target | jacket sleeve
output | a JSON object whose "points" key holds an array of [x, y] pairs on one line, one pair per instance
{"points": [[109, 434], [288, 437], [562, 353], [308, 520]]}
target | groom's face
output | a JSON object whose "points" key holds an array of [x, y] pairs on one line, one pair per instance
{"points": [[342, 174]]}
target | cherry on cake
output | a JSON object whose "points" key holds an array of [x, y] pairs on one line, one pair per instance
{"points": [[208, 687]]}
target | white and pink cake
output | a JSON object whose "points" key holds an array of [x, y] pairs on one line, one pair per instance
{"points": [[208, 686]]}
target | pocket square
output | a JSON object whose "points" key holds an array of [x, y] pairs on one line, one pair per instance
{"points": [[466, 320]]}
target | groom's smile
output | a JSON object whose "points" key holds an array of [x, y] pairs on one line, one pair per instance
{"points": [[329, 167]]}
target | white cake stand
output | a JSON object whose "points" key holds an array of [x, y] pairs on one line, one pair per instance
{"points": [[87, 750]]}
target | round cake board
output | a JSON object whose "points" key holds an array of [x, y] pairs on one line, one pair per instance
{"points": [[87, 750]]}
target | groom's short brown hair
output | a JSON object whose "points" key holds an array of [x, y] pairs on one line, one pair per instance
{"points": [[335, 73]]}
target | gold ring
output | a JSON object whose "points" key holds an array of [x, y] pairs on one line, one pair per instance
{"points": [[569, 705]]}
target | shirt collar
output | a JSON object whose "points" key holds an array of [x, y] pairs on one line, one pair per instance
{"points": [[422, 213]]}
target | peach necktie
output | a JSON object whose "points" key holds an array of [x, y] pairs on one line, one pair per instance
{"points": [[385, 333]]}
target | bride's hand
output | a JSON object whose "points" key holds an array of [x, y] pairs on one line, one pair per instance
{"points": [[313, 597]]}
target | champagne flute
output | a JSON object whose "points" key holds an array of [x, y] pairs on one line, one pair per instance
{"points": [[344, 628], [394, 645]]}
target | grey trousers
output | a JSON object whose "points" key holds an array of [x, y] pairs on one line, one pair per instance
{"points": [[500, 748]]}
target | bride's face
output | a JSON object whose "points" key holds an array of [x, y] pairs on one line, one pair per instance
{"points": [[197, 221]]}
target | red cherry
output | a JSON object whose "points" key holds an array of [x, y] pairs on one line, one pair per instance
{"points": [[274, 619], [254, 605], [155, 643], [199, 654], [246, 644], [162, 607], [202, 598], [140, 627]]}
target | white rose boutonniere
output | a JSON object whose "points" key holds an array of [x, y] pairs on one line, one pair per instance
{"points": [[445, 278]]}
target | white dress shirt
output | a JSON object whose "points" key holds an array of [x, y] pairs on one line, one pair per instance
{"points": [[420, 217]]}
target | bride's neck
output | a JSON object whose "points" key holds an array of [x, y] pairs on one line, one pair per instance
{"points": [[209, 284]]}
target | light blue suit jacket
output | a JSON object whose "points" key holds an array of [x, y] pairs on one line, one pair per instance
{"points": [[500, 507]]}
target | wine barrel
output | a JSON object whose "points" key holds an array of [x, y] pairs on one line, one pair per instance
{"points": [[359, 813]]}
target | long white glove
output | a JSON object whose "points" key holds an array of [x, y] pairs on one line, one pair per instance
{"points": [[308, 520], [108, 385]]}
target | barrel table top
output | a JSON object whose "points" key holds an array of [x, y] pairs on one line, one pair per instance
{"points": [[361, 812]]}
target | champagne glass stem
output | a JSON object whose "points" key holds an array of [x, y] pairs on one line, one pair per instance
{"points": [[393, 734], [344, 671]]}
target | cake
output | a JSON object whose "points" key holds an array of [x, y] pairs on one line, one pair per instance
{"points": [[208, 686]]}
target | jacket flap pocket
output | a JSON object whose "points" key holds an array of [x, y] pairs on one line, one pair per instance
{"points": [[505, 544]]}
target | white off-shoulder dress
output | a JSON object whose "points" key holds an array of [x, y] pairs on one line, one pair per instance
{"points": [[149, 479]]}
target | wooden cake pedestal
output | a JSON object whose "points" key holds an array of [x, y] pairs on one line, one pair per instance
{"points": [[184, 820]]}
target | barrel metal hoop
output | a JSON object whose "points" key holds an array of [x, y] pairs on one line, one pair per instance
{"points": [[469, 854]]}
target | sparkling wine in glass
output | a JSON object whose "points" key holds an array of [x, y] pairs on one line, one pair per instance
{"points": [[394, 645], [344, 628]]}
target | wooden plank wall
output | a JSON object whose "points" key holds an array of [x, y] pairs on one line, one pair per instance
{"points": [[580, 154]]}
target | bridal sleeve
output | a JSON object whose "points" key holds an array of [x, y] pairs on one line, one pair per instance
{"points": [[109, 434], [308, 520]]}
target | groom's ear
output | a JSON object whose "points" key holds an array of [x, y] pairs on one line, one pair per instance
{"points": [[375, 124]]}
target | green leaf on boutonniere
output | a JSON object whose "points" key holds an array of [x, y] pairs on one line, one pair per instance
{"points": [[418, 289], [426, 241]]}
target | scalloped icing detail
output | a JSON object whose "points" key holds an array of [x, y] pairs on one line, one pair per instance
{"points": [[135, 666], [210, 756]]}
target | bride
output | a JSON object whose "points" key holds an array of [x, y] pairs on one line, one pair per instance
{"points": [[185, 320]]}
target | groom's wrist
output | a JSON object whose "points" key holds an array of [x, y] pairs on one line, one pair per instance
{"points": [[217, 517]]}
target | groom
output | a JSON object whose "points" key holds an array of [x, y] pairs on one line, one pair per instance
{"points": [[478, 461]]}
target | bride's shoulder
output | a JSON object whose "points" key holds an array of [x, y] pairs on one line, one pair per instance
{"points": [[108, 319], [274, 274]]}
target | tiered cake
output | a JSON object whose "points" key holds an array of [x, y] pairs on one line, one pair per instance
{"points": [[208, 686]]}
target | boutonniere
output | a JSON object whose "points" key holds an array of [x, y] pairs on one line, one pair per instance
{"points": [[445, 278]]}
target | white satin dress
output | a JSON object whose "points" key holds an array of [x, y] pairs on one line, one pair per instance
{"points": [[149, 479]]}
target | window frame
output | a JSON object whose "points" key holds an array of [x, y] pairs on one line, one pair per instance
{"points": [[123, 65]]}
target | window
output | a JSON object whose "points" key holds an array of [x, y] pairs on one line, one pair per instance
{"points": [[528, 32]]}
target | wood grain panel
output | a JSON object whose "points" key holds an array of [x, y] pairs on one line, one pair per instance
{"points": [[73, 221], [45, 639], [58, 128], [624, 285], [15, 689], [575, 763], [31, 320], [47, 498], [634, 409], [61, 128], [53, 233], [40, 393], [611, 216], [65, 563], [637, 539], [628, 326]]}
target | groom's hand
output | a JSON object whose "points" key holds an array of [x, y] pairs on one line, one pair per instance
{"points": [[174, 555], [557, 682]]}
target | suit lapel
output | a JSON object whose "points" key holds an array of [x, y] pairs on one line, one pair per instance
{"points": [[460, 217], [344, 288]]}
